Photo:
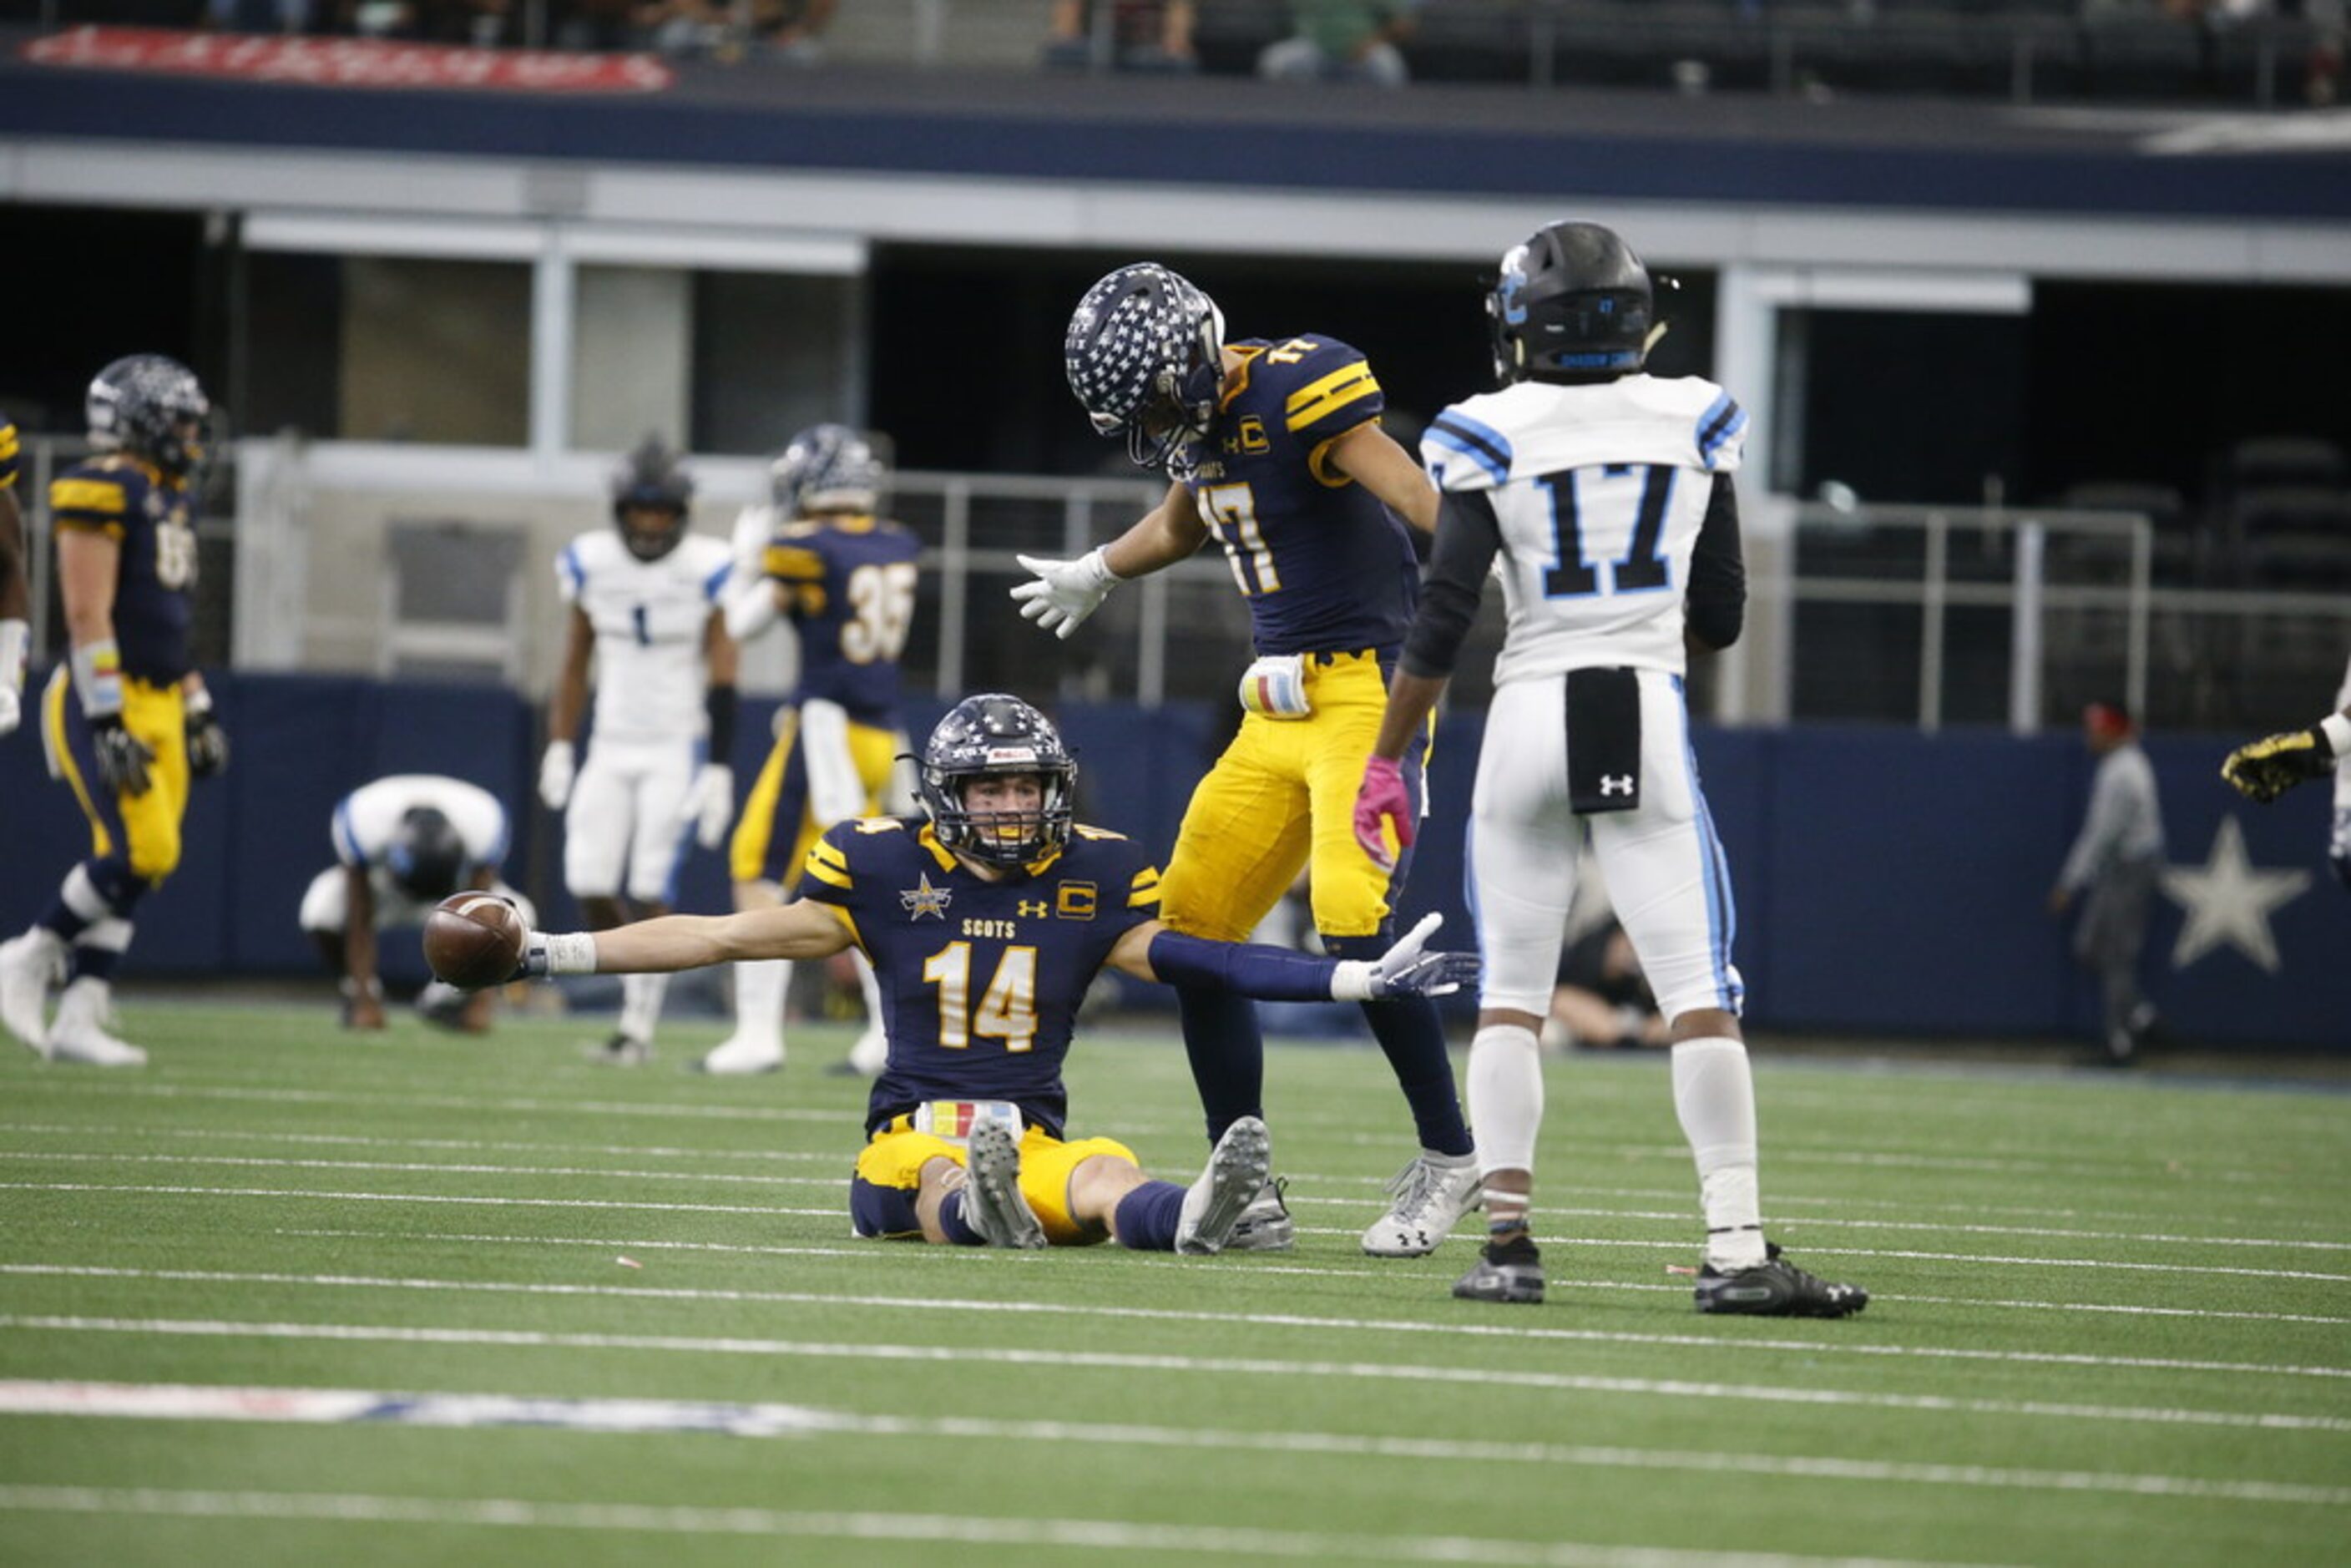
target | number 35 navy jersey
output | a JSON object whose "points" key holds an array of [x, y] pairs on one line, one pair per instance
{"points": [[980, 980], [1599, 493]]}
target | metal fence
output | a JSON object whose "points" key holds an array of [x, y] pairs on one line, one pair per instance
{"points": [[1915, 615]]}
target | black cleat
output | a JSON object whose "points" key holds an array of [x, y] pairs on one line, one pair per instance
{"points": [[1506, 1271], [1776, 1288]]}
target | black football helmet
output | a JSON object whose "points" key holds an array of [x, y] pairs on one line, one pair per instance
{"points": [[994, 734], [653, 479], [426, 856], [152, 406], [828, 469], [1145, 354], [1573, 302]]}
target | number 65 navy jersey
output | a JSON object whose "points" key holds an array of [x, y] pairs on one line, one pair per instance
{"points": [[152, 519], [1598, 493], [980, 980]]}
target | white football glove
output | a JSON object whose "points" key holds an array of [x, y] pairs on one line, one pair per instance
{"points": [[711, 803], [1065, 591], [556, 771], [1406, 969]]}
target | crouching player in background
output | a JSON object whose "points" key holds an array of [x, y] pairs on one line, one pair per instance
{"points": [[987, 918], [404, 844]]}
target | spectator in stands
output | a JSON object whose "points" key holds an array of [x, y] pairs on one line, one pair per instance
{"points": [[1603, 1002], [2118, 859], [1343, 40], [1137, 36]]}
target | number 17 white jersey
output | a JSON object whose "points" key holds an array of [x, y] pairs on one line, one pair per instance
{"points": [[1599, 492]]}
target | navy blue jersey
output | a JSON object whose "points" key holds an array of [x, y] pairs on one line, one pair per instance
{"points": [[153, 520], [980, 980], [1326, 569], [849, 587]]}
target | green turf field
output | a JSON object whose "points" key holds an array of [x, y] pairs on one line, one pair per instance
{"points": [[2109, 1326]]}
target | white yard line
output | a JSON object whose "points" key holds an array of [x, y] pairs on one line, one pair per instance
{"points": [[342, 1407], [495, 1199], [1103, 1535], [1525, 1378]]}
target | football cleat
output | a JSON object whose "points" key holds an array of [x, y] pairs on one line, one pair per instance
{"points": [[1431, 1196], [992, 1201], [1776, 1288], [739, 1056], [29, 965], [620, 1050], [1226, 1189], [1265, 1225], [79, 1032], [1505, 1272]]}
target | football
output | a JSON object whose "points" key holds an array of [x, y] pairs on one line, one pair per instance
{"points": [[472, 939]]}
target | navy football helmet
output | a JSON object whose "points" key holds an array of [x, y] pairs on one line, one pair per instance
{"points": [[1145, 354], [426, 856], [1573, 302], [828, 469], [152, 406], [650, 491], [997, 735]]}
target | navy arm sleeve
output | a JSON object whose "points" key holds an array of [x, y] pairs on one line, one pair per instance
{"points": [[1718, 586], [1467, 537]]}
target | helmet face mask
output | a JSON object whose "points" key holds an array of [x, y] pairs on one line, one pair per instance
{"points": [[151, 406], [996, 736], [1145, 354], [426, 856], [1572, 303], [651, 492], [828, 469]]}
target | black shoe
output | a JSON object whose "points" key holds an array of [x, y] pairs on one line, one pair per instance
{"points": [[844, 1067], [1776, 1288], [620, 1050], [1506, 1271]]}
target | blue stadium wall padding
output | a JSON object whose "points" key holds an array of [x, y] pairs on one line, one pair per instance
{"points": [[1886, 882]]}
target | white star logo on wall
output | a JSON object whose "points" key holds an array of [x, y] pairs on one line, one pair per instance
{"points": [[2229, 899]]}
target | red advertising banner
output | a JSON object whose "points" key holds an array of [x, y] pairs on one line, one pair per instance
{"points": [[348, 62]]}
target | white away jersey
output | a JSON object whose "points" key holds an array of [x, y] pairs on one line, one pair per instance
{"points": [[649, 617], [366, 819], [1600, 491]]}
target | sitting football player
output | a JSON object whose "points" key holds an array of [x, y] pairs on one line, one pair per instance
{"points": [[987, 918], [403, 844]]}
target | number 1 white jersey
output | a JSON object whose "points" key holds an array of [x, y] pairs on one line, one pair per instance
{"points": [[650, 618], [1599, 492]]}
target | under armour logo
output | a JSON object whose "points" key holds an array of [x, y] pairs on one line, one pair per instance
{"points": [[1615, 784], [1034, 909]]}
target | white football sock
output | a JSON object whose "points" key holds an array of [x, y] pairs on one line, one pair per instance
{"points": [[871, 1052], [760, 988], [1714, 1096], [641, 1005], [1506, 1096]]}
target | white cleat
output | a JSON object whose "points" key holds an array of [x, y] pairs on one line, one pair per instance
{"points": [[740, 1055], [992, 1203], [1226, 1189], [79, 1032], [871, 1054], [1431, 1196], [1265, 1225], [30, 965]]}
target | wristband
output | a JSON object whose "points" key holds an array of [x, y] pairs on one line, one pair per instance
{"points": [[2337, 731], [197, 703], [14, 636], [1097, 560], [98, 678], [570, 953], [1351, 981], [719, 703]]}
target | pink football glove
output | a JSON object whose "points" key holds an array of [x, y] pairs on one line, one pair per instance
{"points": [[1382, 800]]}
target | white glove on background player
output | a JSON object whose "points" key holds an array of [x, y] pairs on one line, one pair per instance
{"points": [[1065, 591], [14, 637], [1405, 970], [711, 804], [556, 771]]}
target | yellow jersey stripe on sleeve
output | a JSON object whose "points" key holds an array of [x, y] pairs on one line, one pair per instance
{"points": [[1320, 400], [830, 875], [792, 563], [100, 499]]}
